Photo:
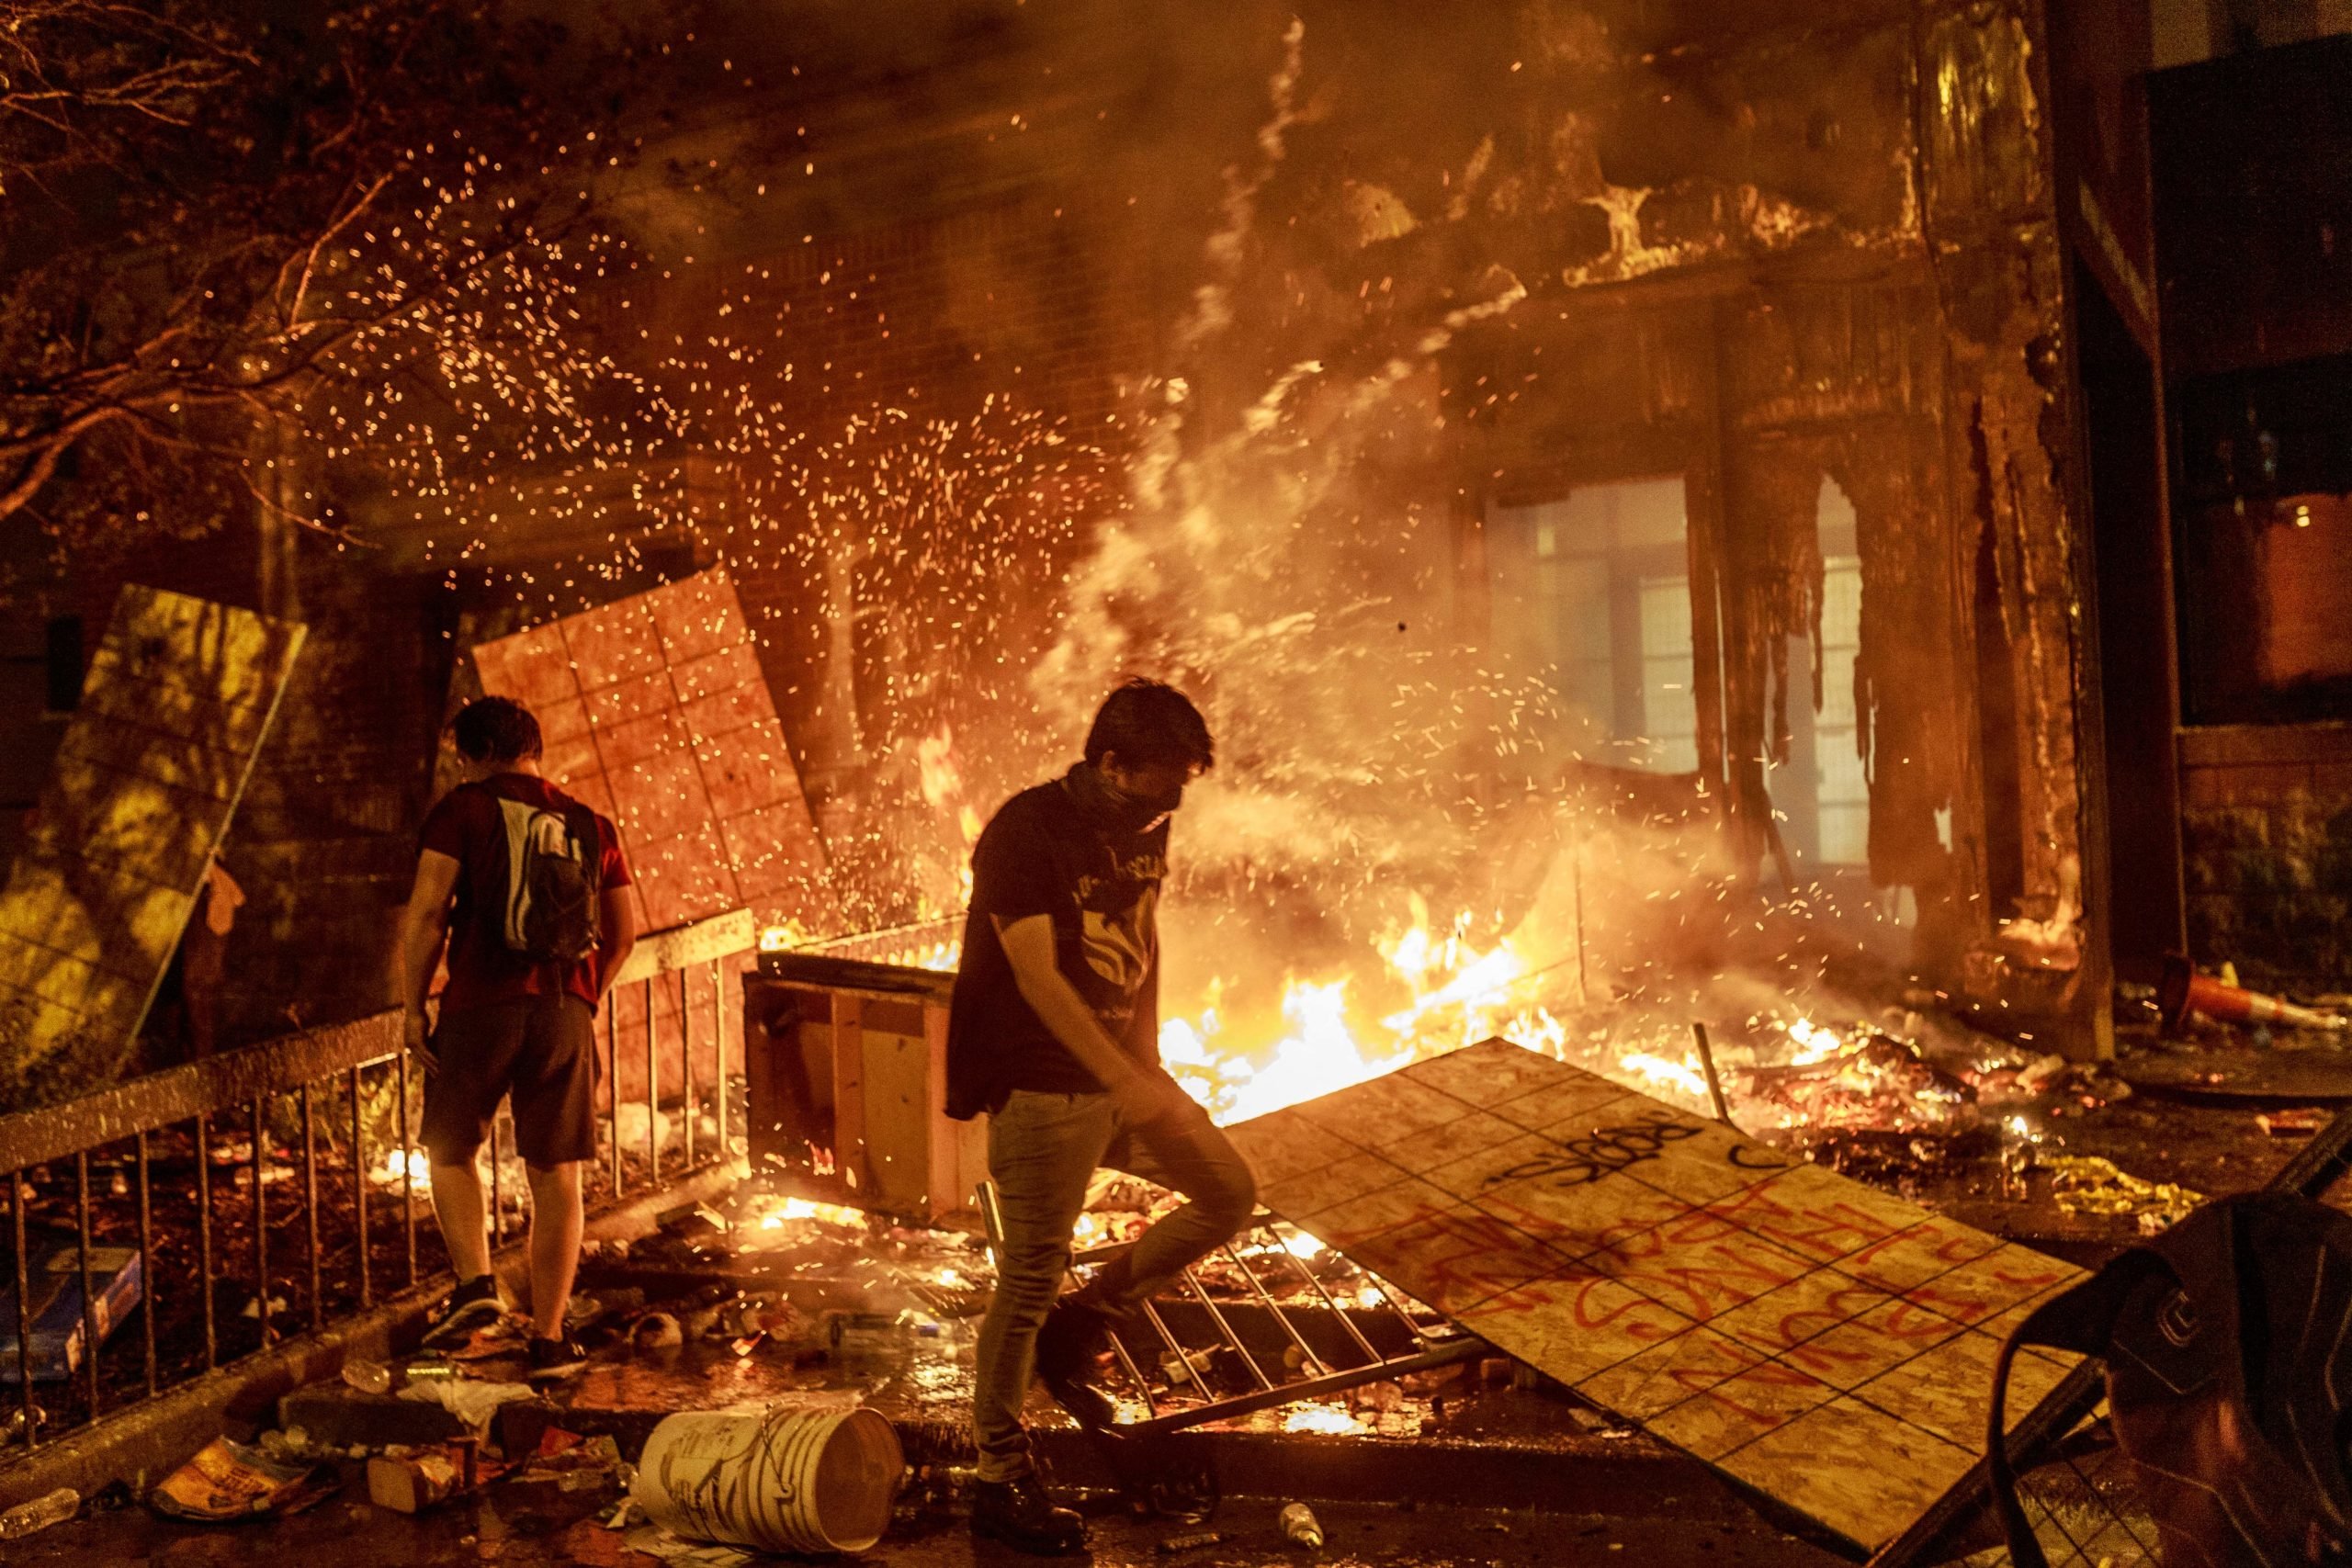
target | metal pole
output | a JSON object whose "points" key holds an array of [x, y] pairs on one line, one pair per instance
{"points": [[146, 1264], [24, 1308], [685, 1071], [407, 1174], [1714, 1084], [652, 1093], [89, 1297], [261, 1225], [1226, 1329], [1314, 1362], [718, 1047], [1336, 1311], [204, 1236], [310, 1203], [360, 1189]]}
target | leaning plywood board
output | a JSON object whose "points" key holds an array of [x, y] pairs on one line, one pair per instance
{"points": [[654, 712], [1821, 1342], [178, 697]]}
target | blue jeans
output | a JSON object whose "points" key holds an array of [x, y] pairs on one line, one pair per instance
{"points": [[1043, 1151]]}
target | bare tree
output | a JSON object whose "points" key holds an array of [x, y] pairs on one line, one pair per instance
{"points": [[238, 237]]}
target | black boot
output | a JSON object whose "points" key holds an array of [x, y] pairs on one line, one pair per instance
{"points": [[1069, 1348], [1018, 1513]]}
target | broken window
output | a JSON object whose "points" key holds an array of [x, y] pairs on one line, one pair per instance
{"points": [[1591, 595]]}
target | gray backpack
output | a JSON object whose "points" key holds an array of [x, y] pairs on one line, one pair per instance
{"points": [[554, 870]]}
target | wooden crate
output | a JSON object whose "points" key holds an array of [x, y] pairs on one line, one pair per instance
{"points": [[846, 1067]]}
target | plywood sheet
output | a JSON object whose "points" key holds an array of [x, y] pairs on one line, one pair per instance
{"points": [[178, 697], [1817, 1339], [655, 712]]}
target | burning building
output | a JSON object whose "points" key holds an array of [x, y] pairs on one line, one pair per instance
{"points": [[1631, 484]]}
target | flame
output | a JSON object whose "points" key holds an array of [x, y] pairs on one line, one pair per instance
{"points": [[943, 782], [412, 1163], [773, 1213], [1683, 1074], [1459, 994], [1813, 1043]]}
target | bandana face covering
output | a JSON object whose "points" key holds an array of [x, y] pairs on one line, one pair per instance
{"points": [[1116, 809]]}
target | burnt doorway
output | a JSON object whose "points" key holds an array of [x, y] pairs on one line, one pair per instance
{"points": [[2137, 686]]}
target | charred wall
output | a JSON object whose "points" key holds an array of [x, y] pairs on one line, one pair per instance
{"points": [[1763, 252]]}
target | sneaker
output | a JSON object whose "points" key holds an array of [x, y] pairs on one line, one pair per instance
{"points": [[473, 1304], [1020, 1513], [556, 1359], [1069, 1350]]}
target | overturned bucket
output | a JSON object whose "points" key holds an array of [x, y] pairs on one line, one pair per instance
{"points": [[792, 1480]]}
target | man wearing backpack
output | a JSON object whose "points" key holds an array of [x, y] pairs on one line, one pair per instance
{"points": [[528, 889]]}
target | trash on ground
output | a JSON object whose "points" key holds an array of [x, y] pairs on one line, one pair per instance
{"points": [[470, 1401], [368, 1377], [55, 1307], [655, 1542], [2184, 991], [229, 1480], [1300, 1526], [1194, 1542], [573, 1461], [656, 1331], [797, 1477], [423, 1478], [2086, 1184], [53, 1509]]}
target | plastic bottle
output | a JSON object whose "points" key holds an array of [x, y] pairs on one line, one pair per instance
{"points": [[39, 1514], [1300, 1526], [368, 1377]]}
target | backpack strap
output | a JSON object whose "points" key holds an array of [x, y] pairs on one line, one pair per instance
{"points": [[2082, 1320]]}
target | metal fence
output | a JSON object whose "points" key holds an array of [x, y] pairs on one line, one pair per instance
{"points": [[134, 1173]]}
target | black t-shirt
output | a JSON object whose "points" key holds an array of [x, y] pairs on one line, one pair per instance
{"points": [[1042, 856]]}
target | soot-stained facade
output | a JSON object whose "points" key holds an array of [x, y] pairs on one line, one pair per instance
{"points": [[1731, 339]]}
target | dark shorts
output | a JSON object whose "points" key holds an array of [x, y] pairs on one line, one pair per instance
{"points": [[543, 1052]]}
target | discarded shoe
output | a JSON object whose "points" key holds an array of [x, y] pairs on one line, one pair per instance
{"points": [[472, 1304], [1070, 1345], [554, 1359], [1020, 1513]]}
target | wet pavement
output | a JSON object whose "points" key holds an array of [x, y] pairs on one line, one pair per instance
{"points": [[538, 1526], [1497, 1471]]}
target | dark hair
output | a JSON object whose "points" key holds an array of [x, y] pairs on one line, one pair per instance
{"points": [[495, 730], [1150, 722]]}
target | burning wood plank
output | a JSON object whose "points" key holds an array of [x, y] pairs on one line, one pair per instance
{"points": [[1811, 1337]]}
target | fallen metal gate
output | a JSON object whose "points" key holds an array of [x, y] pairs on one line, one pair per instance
{"points": [[1435, 1342]]}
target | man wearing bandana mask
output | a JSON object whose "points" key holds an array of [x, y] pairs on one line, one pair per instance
{"points": [[1054, 1032]]}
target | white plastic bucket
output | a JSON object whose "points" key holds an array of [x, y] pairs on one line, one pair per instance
{"points": [[790, 1480]]}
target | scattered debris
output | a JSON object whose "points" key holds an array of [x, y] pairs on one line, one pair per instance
{"points": [[656, 1331], [412, 1483], [2299, 1124], [2086, 1184], [55, 1280], [2184, 991], [1194, 1543], [471, 1402], [27, 1518], [228, 1481]]}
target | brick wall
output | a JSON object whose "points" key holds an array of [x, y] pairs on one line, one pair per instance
{"points": [[324, 843], [2267, 829]]}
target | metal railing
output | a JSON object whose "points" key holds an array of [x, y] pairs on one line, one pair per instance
{"points": [[350, 1082]]}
